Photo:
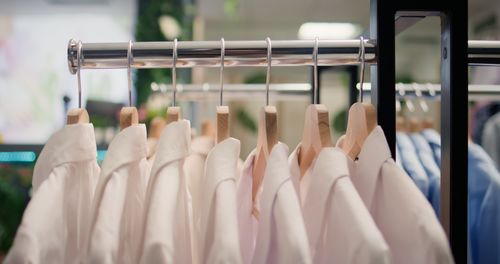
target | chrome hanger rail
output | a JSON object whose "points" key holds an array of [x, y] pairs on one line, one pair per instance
{"points": [[243, 53], [207, 54]]}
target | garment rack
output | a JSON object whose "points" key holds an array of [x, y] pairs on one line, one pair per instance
{"points": [[387, 19]]}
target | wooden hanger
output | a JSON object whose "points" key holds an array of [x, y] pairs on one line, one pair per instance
{"points": [[173, 112], [222, 131], [156, 127], [362, 118], [316, 133], [208, 129], [267, 135], [78, 115], [361, 121], [129, 115]]}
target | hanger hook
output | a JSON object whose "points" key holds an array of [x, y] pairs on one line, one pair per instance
{"points": [[79, 64], [420, 97], [130, 60], [174, 74], [269, 61], [315, 69], [362, 59], [222, 56]]}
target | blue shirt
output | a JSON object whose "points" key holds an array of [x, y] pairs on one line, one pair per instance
{"points": [[434, 140], [411, 163], [426, 156], [484, 207]]}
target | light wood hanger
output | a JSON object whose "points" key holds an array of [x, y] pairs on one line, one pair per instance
{"points": [[222, 131], [316, 134], [78, 115], [267, 135], [129, 115], [208, 129], [174, 112], [362, 118], [156, 127]]}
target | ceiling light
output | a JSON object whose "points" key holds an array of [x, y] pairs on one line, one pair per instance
{"points": [[311, 30]]}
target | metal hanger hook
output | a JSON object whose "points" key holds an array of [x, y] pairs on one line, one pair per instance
{"points": [[269, 62], [420, 97], [362, 59], [174, 74], [315, 71], [130, 60], [222, 55], [78, 76]]}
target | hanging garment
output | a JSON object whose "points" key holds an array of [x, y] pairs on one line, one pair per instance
{"points": [[55, 224], [411, 163], [219, 238], [490, 138], [339, 227], [434, 140], [483, 207], [168, 222], [403, 215], [481, 115], [119, 200], [194, 166], [426, 157], [247, 221], [279, 235]]}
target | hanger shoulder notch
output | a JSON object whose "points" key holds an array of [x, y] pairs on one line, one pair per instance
{"points": [[128, 117], [77, 116], [222, 131], [173, 114]]}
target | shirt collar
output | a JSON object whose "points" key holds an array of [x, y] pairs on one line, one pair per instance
{"points": [[202, 145], [127, 146], [173, 144], [72, 143], [330, 165], [374, 153]]}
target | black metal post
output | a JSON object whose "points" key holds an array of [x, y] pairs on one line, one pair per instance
{"points": [[454, 82]]}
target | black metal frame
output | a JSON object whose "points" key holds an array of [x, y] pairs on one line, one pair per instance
{"points": [[389, 16]]}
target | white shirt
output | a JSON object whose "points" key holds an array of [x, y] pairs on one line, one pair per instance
{"points": [[339, 227], [55, 224], [167, 229], [194, 166], [118, 205], [219, 240], [281, 236], [401, 212]]}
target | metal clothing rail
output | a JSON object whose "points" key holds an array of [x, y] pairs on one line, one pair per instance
{"points": [[433, 89], [207, 54], [244, 53], [280, 92]]}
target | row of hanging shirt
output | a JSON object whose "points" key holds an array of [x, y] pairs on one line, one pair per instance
{"points": [[131, 210], [348, 203], [418, 152]]}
